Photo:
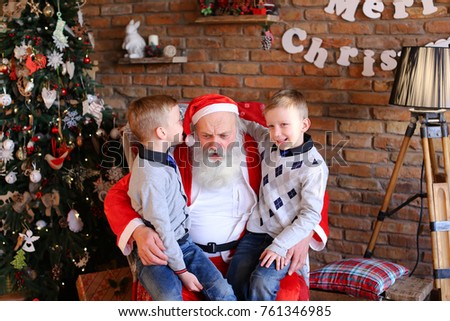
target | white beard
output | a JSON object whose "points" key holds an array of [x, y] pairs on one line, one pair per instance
{"points": [[220, 173]]}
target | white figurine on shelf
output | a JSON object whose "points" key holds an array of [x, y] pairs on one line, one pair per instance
{"points": [[133, 43]]}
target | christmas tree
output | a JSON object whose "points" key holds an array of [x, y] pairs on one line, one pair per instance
{"points": [[59, 149]]}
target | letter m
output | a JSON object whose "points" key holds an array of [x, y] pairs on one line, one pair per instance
{"points": [[346, 8]]}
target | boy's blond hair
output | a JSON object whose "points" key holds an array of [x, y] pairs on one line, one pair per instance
{"points": [[148, 113], [288, 98]]}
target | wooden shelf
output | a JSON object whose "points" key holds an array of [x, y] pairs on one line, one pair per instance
{"points": [[154, 60], [238, 19]]}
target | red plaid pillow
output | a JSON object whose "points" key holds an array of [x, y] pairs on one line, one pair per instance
{"points": [[365, 278]]}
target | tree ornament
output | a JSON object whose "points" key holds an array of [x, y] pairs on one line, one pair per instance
{"points": [[56, 272], [28, 245], [11, 178], [4, 66], [6, 152], [94, 106], [49, 97], [87, 60], [21, 153], [29, 87], [100, 132], [51, 202], [48, 10], [23, 87], [30, 147], [41, 224], [30, 273], [35, 62], [114, 133], [14, 9], [35, 175], [56, 162], [83, 261], [63, 222], [3, 226], [70, 67], [71, 119], [8, 144], [5, 100], [55, 59], [114, 174], [55, 130], [58, 37], [102, 188], [63, 69], [34, 8], [74, 221], [4, 69], [79, 140], [63, 92], [19, 260]]}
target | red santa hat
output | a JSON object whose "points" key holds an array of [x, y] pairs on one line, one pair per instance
{"points": [[205, 105]]}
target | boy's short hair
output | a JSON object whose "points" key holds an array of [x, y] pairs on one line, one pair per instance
{"points": [[288, 98], [147, 113]]}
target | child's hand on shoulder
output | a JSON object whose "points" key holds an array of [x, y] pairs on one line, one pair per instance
{"points": [[268, 257], [190, 281]]}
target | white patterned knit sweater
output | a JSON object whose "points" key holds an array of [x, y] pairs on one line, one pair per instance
{"points": [[291, 193]]}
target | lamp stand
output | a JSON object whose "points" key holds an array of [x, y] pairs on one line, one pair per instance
{"points": [[432, 125]]}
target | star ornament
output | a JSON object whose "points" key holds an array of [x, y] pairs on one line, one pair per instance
{"points": [[34, 8], [55, 59]]}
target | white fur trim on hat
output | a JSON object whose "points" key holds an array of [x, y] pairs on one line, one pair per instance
{"points": [[189, 140], [214, 108]]}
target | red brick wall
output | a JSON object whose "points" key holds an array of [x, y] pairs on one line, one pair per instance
{"points": [[350, 113]]}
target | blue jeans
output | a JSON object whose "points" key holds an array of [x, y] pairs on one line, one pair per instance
{"points": [[249, 280], [164, 285]]}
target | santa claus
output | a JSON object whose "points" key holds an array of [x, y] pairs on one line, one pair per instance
{"points": [[219, 165]]}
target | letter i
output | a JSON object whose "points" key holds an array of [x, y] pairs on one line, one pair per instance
{"points": [[368, 63]]}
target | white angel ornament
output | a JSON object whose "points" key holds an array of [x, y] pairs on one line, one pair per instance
{"points": [[29, 238]]}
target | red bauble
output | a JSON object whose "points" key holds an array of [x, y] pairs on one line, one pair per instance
{"points": [[87, 60], [3, 69], [55, 130], [63, 92]]}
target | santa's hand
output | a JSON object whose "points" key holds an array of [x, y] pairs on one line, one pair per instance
{"points": [[150, 247], [190, 281], [268, 257], [298, 253]]}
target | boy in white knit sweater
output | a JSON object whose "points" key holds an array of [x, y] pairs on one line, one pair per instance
{"points": [[294, 178]]}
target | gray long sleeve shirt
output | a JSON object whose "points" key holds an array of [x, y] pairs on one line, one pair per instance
{"points": [[157, 194]]}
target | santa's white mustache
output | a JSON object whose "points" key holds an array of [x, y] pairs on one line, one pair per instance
{"points": [[214, 152]]}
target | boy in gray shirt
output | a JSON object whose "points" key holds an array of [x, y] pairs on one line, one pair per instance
{"points": [[157, 194]]}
